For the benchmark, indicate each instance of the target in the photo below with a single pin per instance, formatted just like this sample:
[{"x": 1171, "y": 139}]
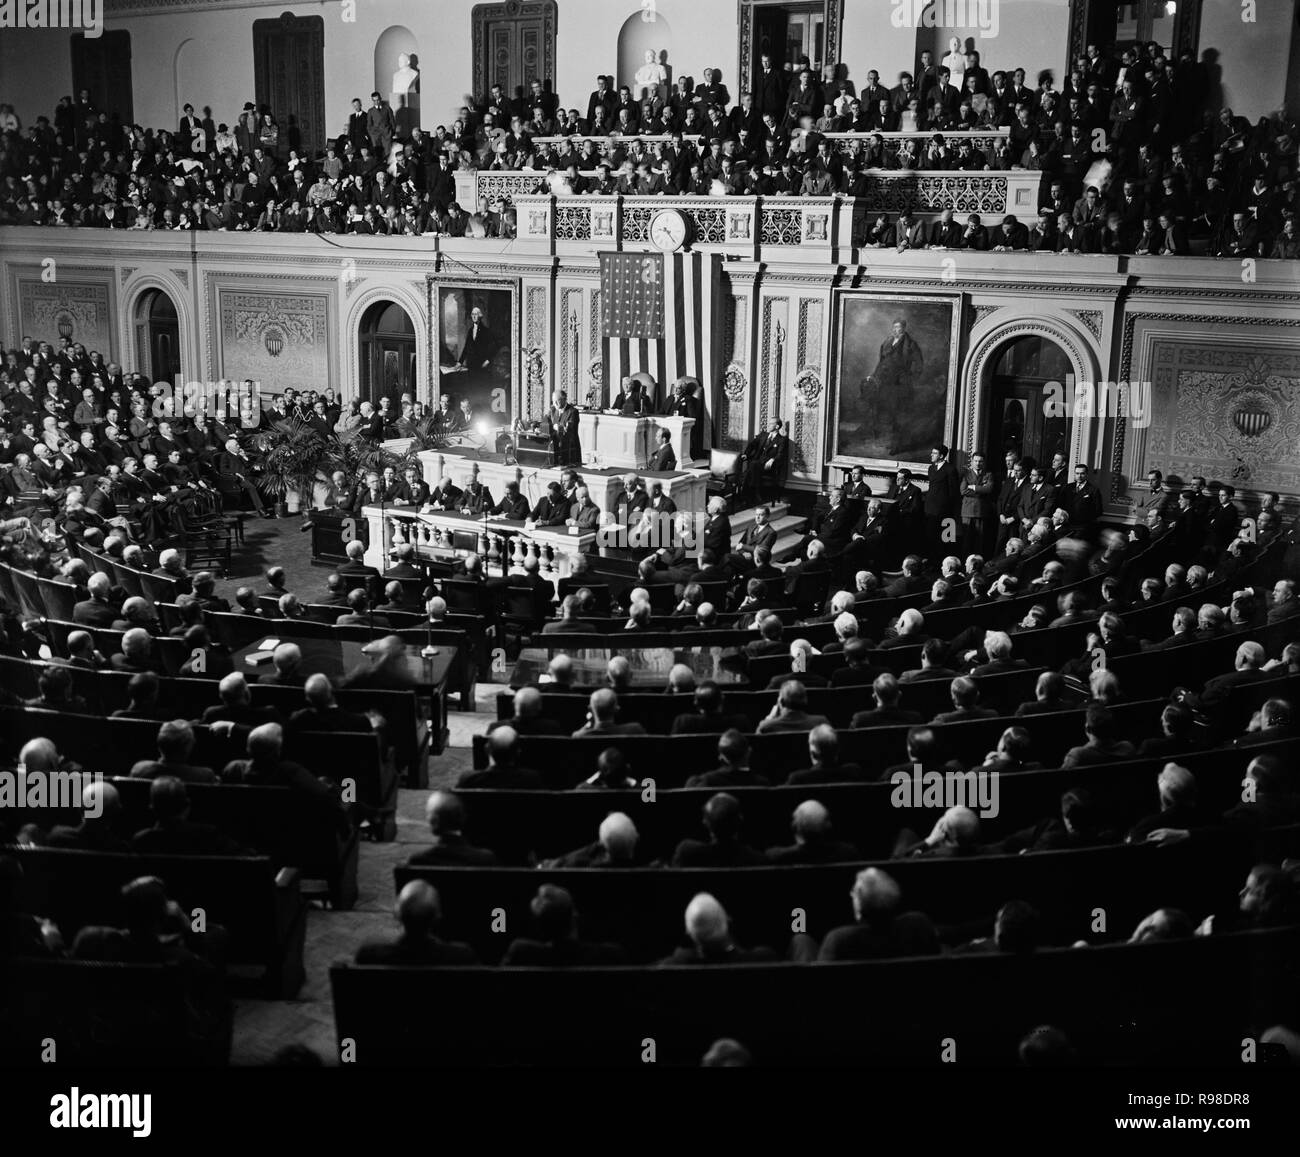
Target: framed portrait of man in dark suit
[
  {"x": 474, "y": 327},
  {"x": 896, "y": 364}
]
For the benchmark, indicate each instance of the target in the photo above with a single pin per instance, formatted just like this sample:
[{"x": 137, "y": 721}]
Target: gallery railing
[{"x": 746, "y": 225}]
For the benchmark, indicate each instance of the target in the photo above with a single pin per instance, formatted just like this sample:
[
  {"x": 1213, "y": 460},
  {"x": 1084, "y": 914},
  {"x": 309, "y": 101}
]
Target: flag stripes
[{"x": 691, "y": 327}]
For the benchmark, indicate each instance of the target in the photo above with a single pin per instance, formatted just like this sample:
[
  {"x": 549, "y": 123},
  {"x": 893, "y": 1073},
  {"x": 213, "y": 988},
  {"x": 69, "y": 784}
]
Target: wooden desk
[{"x": 334, "y": 658}]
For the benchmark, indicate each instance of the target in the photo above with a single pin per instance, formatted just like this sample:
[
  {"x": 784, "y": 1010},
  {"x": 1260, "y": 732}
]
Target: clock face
[{"x": 668, "y": 230}]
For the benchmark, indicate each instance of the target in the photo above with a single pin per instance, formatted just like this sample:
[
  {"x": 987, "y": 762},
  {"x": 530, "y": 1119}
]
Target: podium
[{"x": 534, "y": 450}]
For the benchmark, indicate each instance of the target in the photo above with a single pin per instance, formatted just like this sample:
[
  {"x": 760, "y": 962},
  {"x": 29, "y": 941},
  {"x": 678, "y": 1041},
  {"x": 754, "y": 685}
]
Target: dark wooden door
[
  {"x": 103, "y": 66},
  {"x": 289, "y": 77},
  {"x": 514, "y": 43},
  {"x": 770, "y": 21},
  {"x": 514, "y": 52}
]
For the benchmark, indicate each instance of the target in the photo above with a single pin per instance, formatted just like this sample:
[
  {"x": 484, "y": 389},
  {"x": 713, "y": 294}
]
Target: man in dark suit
[
  {"x": 708, "y": 718},
  {"x": 857, "y": 671},
  {"x": 552, "y": 508},
  {"x": 813, "y": 841},
  {"x": 418, "y": 910},
  {"x": 664, "y": 458},
  {"x": 717, "y": 529},
  {"x": 1008, "y": 505},
  {"x": 1080, "y": 499},
  {"x": 765, "y": 460},
  {"x": 834, "y": 525},
  {"x": 96, "y": 611},
  {"x": 555, "y": 943},
  {"x": 602, "y": 717},
  {"x": 356, "y": 572},
  {"x": 528, "y": 718},
  {"x": 563, "y": 418},
  {"x": 1224, "y": 523},
  {"x": 733, "y": 765},
  {"x": 887, "y": 712},
  {"x": 513, "y": 505},
  {"x": 942, "y": 501},
  {"x": 412, "y": 490},
  {"x": 173, "y": 834},
  {"x": 724, "y": 847},
  {"x": 476, "y": 499},
  {"x": 825, "y": 765},
  {"x": 685, "y": 402},
  {"x": 446, "y": 495},
  {"x": 503, "y": 770},
  {"x": 869, "y": 543},
  {"x": 480, "y": 346},
  {"x": 446, "y": 818}
]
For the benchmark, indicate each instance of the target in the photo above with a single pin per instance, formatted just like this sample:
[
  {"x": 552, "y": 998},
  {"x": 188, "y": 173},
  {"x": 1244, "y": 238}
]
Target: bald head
[
  {"x": 444, "y": 813},
  {"x": 811, "y": 823},
  {"x": 318, "y": 692},
  {"x": 233, "y": 689},
  {"x": 38, "y": 755},
  {"x": 501, "y": 745},
  {"x": 418, "y": 907},
  {"x": 603, "y": 704},
  {"x": 528, "y": 703},
  {"x": 286, "y": 658},
  {"x": 619, "y": 673},
  {"x": 706, "y": 921},
  {"x": 100, "y": 800},
  {"x": 681, "y": 678},
  {"x": 618, "y": 836}
]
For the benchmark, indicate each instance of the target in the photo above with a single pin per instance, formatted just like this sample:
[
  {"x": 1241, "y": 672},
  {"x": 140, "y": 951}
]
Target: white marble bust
[
  {"x": 405, "y": 79},
  {"x": 650, "y": 77}
]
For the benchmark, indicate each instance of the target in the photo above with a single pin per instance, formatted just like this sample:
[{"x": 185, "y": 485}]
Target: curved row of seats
[
  {"x": 1176, "y": 1004},
  {"x": 642, "y": 908},
  {"x": 519, "y": 825}
]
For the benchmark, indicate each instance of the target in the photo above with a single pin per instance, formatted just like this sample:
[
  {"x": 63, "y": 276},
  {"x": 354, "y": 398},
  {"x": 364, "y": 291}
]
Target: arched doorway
[
  {"x": 1020, "y": 416},
  {"x": 157, "y": 336},
  {"x": 387, "y": 353}
]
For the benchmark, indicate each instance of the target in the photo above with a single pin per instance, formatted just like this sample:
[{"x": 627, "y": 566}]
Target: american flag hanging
[{"x": 686, "y": 340}]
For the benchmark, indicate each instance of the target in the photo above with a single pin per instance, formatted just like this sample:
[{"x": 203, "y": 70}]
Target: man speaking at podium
[{"x": 564, "y": 430}]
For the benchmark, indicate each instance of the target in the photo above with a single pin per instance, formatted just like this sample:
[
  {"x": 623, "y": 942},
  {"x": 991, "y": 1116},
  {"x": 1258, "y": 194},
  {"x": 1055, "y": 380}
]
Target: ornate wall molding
[
  {"x": 1249, "y": 441},
  {"x": 773, "y": 355},
  {"x": 1092, "y": 318},
  {"x": 218, "y": 281}
]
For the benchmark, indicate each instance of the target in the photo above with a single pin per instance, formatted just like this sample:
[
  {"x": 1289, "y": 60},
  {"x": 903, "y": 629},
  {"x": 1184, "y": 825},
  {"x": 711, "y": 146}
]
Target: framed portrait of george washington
[
  {"x": 474, "y": 344},
  {"x": 896, "y": 362}
]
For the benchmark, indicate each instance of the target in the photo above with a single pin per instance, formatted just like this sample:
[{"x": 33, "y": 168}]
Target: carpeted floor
[{"x": 263, "y": 1027}]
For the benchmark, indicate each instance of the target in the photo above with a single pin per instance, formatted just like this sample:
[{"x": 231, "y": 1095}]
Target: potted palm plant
[{"x": 292, "y": 453}]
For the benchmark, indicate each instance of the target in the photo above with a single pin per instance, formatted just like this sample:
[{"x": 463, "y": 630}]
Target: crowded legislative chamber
[{"x": 717, "y": 533}]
